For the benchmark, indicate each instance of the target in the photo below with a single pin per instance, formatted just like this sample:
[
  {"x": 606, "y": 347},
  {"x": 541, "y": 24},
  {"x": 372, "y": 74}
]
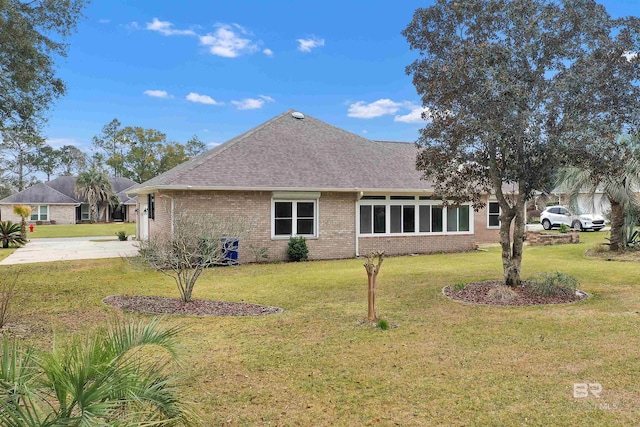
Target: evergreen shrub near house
[{"x": 297, "y": 249}]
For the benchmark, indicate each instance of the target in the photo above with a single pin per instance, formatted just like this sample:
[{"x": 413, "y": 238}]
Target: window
[
  {"x": 409, "y": 215},
  {"x": 403, "y": 219},
  {"x": 493, "y": 212},
  {"x": 151, "y": 206},
  {"x": 84, "y": 212},
  {"x": 458, "y": 218},
  {"x": 40, "y": 213},
  {"x": 294, "y": 218}
]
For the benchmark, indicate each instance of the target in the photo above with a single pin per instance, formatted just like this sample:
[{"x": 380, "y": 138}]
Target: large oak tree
[
  {"x": 512, "y": 90},
  {"x": 32, "y": 36}
]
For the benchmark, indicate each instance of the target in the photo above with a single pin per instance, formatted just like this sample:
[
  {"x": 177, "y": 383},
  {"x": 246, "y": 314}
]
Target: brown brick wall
[
  {"x": 336, "y": 212},
  {"x": 61, "y": 214},
  {"x": 400, "y": 245},
  {"x": 480, "y": 227}
]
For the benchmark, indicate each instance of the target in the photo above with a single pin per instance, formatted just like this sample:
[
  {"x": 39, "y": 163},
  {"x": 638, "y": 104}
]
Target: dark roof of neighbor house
[
  {"x": 40, "y": 194},
  {"x": 288, "y": 153},
  {"x": 61, "y": 190}
]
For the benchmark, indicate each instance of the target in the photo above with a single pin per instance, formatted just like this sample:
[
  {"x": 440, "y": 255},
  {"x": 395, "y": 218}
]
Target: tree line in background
[{"x": 132, "y": 152}]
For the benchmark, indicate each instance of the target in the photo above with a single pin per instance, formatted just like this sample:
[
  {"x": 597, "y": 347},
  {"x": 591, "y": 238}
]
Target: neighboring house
[
  {"x": 598, "y": 203},
  {"x": 56, "y": 201},
  {"x": 299, "y": 176}
]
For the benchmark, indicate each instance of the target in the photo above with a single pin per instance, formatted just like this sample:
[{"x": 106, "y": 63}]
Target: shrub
[
  {"x": 11, "y": 233},
  {"x": 459, "y": 286},
  {"x": 554, "y": 284},
  {"x": 564, "y": 228},
  {"x": 297, "y": 249},
  {"x": 122, "y": 236},
  {"x": 502, "y": 294},
  {"x": 382, "y": 324},
  {"x": 599, "y": 248}
]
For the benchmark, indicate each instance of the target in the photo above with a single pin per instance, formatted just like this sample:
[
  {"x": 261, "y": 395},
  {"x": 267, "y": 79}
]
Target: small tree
[
  {"x": 373, "y": 268},
  {"x": 23, "y": 212},
  {"x": 196, "y": 242}
]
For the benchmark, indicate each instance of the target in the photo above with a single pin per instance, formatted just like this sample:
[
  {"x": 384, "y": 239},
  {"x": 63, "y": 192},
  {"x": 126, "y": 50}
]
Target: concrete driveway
[{"x": 71, "y": 248}]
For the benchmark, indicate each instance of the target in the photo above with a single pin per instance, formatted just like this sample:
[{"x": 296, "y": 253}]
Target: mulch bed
[
  {"x": 198, "y": 307},
  {"x": 478, "y": 293}
]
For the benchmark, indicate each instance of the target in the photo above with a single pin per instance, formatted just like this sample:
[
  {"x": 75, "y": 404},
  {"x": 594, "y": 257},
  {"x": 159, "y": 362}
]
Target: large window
[
  {"x": 410, "y": 215},
  {"x": 294, "y": 218},
  {"x": 493, "y": 212},
  {"x": 40, "y": 213}
]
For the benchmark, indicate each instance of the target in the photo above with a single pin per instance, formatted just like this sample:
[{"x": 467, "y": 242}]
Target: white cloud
[
  {"x": 228, "y": 41},
  {"x": 202, "y": 99},
  {"x": 630, "y": 55},
  {"x": 213, "y": 144},
  {"x": 414, "y": 116},
  {"x": 133, "y": 25},
  {"x": 157, "y": 93},
  {"x": 104, "y": 21},
  {"x": 268, "y": 52},
  {"x": 305, "y": 45},
  {"x": 165, "y": 28},
  {"x": 252, "y": 103},
  {"x": 381, "y": 107},
  {"x": 365, "y": 131}
]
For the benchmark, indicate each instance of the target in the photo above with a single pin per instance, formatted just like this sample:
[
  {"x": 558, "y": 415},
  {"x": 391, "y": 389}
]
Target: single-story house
[
  {"x": 56, "y": 201},
  {"x": 298, "y": 176}
]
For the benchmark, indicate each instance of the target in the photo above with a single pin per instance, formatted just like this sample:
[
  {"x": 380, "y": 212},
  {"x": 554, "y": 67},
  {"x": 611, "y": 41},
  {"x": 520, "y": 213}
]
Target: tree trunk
[
  {"x": 617, "y": 224},
  {"x": 372, "y": 275},
  {"x": 512, "y": 251},
  {"x": 371, "y": 313}
]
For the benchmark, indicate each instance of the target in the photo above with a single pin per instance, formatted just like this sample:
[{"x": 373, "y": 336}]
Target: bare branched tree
[
  {"x": 373, "y": 268},
  {"x": 196, "y": 241}
]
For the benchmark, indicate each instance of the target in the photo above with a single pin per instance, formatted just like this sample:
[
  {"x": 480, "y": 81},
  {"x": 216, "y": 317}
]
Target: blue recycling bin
[{"x": 230, "y": 250}]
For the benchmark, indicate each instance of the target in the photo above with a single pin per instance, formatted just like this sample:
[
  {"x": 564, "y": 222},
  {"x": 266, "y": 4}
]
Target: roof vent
[{"x": 297, "y": 115}]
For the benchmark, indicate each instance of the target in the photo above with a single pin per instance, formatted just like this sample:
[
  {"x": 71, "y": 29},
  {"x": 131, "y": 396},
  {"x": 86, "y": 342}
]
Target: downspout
[{"x": 356, "y": 222}]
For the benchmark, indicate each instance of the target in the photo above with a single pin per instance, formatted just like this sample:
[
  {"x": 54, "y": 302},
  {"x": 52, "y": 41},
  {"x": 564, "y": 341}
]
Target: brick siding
[
  {"x": 401, "y": 245},
  {"x": 61, "y": 214}
]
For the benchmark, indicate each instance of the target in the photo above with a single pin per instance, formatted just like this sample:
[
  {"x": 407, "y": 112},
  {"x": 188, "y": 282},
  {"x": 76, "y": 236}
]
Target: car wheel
[
  {"x": 546, "y": 224},
  {"x": 576, "y": 225}
]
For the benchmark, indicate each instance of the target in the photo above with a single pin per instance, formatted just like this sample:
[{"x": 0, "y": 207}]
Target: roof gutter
[{"x": 361, "y": 191}]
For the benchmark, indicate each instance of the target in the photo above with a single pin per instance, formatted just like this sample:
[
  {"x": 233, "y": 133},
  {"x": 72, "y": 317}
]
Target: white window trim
[
  {"x": 494, "y": 227},
  {"x": 294, "y": 214},
  {"x": 39, "y": 218},
  {"x": 387, "y": 202}
]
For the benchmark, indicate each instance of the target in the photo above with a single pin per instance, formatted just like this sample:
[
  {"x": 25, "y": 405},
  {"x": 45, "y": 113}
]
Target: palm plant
[
  {"x": 118, "y": 377},
  {"x": 94, "y": 186},
  {"x": 10, "y": 233},
  {"x": 618, "y": 186},
  {"x": 23, "y": 212}
]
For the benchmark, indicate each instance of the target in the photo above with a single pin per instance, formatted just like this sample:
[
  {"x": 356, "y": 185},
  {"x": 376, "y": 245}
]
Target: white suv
[{"x": 553, "y": 216}]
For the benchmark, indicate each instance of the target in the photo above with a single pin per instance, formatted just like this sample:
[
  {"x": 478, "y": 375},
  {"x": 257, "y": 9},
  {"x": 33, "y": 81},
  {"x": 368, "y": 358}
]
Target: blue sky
[{"x": 218, "y": 68}]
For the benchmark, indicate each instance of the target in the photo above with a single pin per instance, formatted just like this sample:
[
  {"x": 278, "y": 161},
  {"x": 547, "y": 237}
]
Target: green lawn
[
  {"x": 442, "y": 363},
  {"x": 81, "y": 230}
]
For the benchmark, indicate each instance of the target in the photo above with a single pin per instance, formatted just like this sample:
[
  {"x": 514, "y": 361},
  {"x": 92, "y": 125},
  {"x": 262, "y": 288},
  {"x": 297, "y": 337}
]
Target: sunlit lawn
[
  {"x": 441, "y": 364},
  {"x": 81, "y": 230}
]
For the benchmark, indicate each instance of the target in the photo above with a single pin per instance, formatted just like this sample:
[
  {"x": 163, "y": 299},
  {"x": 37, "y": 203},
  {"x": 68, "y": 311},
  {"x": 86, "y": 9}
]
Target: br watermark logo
[{"x": 583, "y": 390}]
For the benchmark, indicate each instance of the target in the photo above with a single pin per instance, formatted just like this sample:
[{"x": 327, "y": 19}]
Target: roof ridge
[{"x": 60, "y": 192}]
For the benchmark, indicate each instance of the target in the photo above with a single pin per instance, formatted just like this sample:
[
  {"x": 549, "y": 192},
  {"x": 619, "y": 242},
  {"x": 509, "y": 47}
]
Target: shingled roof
[
  {"x": 61, "y": 191},
  {"x": 288, "y": 153}
]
